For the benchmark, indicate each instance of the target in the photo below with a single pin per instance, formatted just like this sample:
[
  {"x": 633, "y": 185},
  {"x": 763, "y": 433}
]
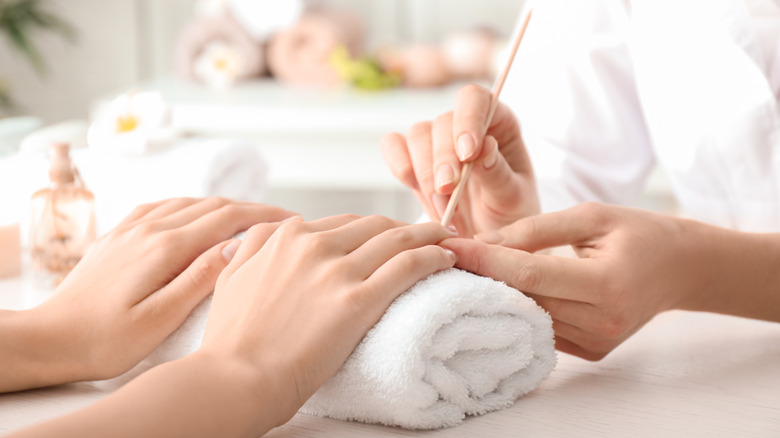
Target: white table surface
[{"x": 683, "y": 375}]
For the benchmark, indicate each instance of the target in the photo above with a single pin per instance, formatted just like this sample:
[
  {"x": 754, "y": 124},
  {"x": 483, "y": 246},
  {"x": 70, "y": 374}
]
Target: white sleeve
[{"x": 573, "y": 90}]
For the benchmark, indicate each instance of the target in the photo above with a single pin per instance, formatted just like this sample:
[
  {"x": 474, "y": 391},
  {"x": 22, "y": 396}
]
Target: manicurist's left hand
[
  {"x": 632, "y": 265},
  {"x": 132, "y": 289}
]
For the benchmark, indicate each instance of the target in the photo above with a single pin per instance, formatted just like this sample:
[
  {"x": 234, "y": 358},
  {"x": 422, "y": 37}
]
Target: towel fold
[{"x": 455, "y": 344}]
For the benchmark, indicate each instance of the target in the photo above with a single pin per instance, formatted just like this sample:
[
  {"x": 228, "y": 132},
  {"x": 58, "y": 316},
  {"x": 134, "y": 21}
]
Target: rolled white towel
[{"x": 455, "y": 344}]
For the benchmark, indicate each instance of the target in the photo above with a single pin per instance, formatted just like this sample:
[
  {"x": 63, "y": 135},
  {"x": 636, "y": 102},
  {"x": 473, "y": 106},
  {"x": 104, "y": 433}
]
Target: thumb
[
  {"x": 496, "y": 180},
  {"x": 176, "y": 300},
  {"x": 572, "y": 226}
]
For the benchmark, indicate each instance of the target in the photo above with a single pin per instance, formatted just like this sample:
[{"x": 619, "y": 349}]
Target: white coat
[{"x": 606, "y": 89}]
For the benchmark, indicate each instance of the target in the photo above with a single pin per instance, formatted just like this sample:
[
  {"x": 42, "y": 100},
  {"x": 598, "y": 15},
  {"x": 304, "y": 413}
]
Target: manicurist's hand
[
  {"x": 502, "y": 187},
  {"x": 132, "y": 289},
  {"x": 287, "y": 311},
  {"x": 631, "y": 265}
]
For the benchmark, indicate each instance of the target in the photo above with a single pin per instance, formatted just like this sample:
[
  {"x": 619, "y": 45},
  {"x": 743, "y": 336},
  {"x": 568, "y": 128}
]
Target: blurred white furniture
[
  {"x": 683, "y": 375},
  {"x": 322, "y": 145}
]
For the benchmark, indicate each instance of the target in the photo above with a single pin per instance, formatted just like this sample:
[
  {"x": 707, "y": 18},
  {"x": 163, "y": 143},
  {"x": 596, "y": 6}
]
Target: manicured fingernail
[
  {"x": 229, "y": 250},
  {"x": 439, "y": 203},
  {"x": 452, "y": 230},
  {"x": 490, "y": 237},
  {"x": 452, "y": 255},
  {"x": 445, "y": 175},
  {"x": 491, "y": 160},
  {"x": 466, "y": 146}
]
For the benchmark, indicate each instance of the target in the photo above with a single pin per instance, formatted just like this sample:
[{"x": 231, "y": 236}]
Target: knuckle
[
  {"x": 527, "y": 277},
  {"x": 200, "y": 273},
  {"x": 420, "y": 129},
  {"x": 469, "y": 90}
]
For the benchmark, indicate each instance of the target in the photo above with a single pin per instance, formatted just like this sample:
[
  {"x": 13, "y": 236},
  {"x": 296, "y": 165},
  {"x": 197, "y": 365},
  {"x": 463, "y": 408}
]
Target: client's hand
[
  {"x": 298, "y": 298},
  {"x": 133, "y": 288}
]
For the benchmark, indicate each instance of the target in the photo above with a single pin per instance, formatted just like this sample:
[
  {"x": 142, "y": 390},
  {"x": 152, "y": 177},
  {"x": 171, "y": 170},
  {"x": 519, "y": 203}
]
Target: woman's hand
[
  {"x": 298, "y": 298},
  {"x": 502, "y": 186},
  {"x": 632, "y": 265},
  {"x": 131, "y": 290}
]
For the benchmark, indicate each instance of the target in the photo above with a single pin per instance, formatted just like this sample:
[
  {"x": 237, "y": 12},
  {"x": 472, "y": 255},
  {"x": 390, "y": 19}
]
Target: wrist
[
  {"x": 32, "y": 351},
  {"x": 737, "y": 272},
  {"x": 271, "y": 401}
]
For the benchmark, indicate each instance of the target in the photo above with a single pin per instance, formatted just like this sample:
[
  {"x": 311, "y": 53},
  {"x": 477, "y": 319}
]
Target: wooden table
[{"x": 683, "y": 375}]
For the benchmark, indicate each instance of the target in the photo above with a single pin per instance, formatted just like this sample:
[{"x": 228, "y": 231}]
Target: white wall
[
  {"x": 104, "y": 58},
  {"x": 123, "y": 42}
]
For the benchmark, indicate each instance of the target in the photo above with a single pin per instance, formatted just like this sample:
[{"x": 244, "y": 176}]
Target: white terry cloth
[{"x": 455, "y": 344}]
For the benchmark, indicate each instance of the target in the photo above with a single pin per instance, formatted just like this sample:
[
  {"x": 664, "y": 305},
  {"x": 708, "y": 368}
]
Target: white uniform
[{"x": 606, "y": 89}]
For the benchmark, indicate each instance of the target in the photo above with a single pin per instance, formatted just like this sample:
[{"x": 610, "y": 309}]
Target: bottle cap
[{"x": 61, "y": 169}]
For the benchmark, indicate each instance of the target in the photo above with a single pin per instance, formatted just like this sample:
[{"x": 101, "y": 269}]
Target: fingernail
[
  {"x": 229, "y": 250},
  {"x": 452, "y": 255},
  {"x": 466, "y": 146},
  {"x": 490, "y": 237},
  {"x": 445, "y": 175},
  {"x": 439, "y": 203},
  {"x": 452, "y": 230},
  {"x": 491, "y": 160}
]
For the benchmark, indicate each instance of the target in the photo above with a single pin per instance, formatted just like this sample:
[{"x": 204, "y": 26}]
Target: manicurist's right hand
[
  {"x": 297, "y": 298},
  {"x": 429, "y": 160}
]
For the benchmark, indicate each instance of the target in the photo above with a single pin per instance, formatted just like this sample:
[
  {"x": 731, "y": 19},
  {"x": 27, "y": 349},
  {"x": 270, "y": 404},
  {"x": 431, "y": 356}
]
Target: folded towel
[
  {"x": 455, "y": 344},
  {"x": 218, "y": 52},
  {"x": 190, "y": 167}
]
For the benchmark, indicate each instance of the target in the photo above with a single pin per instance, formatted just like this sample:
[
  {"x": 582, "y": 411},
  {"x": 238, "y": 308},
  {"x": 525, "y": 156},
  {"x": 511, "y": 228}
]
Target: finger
[
  {"x": 472, "y": 104},
  {"x": 495, "y": 179},
  {"x": 254, "y": 239},
  {"x": 400, "y": 273},
  {"x": 573, "y": 226},
  {"x": 217, "y": 211},
  {"x": 171, "y": 304},
  {"x": 445, "y": 163},
  {"x": 381, "y": 247},
  {"x": 223, "y": 222},
  {"x": 351, "y": 235},
  {"x": 396, "y": 154},
  {"x": 167, "y": 207},
  {"x": 139, "y": 212},
  {"x": 330, "y": 222},
  {"x": 556, "y": 277},
  {"x": 574, "y": 313},
  {"x": 420, "y": 142}
]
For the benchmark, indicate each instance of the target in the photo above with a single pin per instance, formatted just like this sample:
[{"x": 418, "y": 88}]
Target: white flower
[
  {"x": 133, "y": 124},
  {"x": 219, "y": 65}
]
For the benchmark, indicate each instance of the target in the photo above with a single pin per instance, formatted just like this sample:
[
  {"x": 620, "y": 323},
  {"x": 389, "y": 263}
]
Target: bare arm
[
  {"x": 632, "y": 265},
  {"x": 133, "y": 288},
  {"x": 287, "y": 311}
]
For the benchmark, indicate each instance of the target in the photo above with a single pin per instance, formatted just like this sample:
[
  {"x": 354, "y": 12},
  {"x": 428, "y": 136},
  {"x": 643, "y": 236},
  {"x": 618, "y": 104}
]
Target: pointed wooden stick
[{"x": 497, "y": 86}]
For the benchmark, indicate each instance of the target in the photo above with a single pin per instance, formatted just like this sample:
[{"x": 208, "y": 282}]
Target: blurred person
[{"x": 604, "y": 91}]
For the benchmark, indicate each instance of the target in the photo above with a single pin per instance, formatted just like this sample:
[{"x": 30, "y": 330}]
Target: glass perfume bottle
[{"x": 62, "y": 220}]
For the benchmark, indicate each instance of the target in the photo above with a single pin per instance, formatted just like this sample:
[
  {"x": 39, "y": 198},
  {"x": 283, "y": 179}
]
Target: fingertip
[
  {"x": 466, "y": 146},
  {"x": 230, "y": 249}
]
